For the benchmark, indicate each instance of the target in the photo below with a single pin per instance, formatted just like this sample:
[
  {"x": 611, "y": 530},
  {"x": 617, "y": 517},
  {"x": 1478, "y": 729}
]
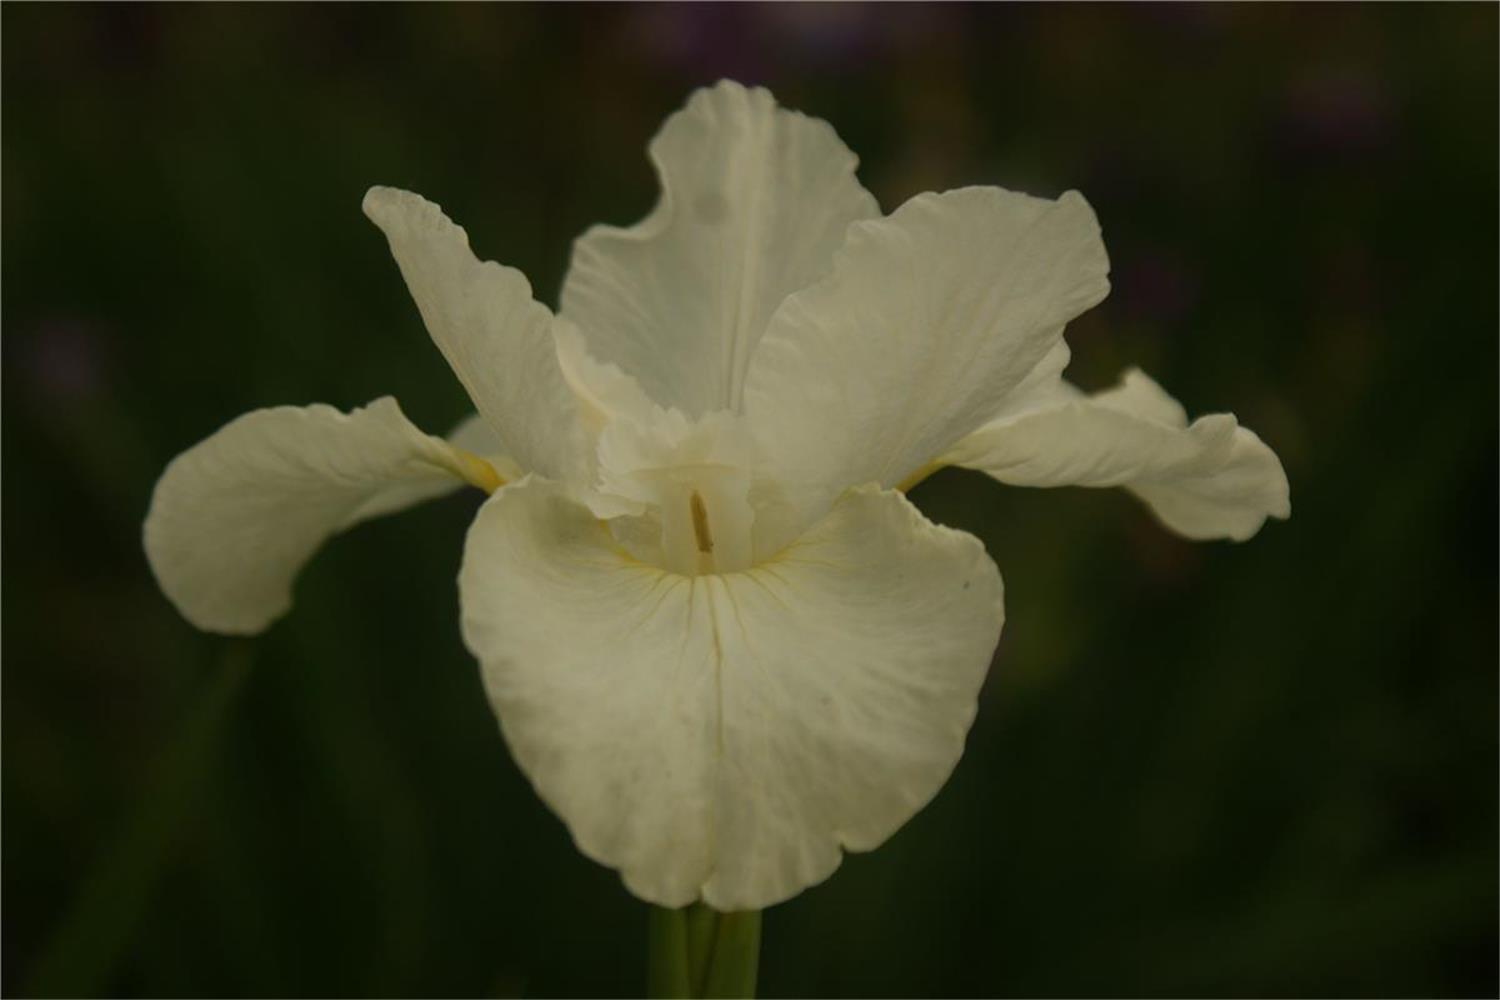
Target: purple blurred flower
[
  {"x": 751, "y": 41},
  {"x": 1332, "y": 111},
  {"x": 64, "y": 359},
  {"x": 1155, "y": 285}
]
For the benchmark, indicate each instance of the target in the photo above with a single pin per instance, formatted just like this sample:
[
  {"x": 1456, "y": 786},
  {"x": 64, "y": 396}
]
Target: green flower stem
[
  {"x": 732, "y": 966},
  {"x": 699, "y": 952},
  {"x": 667, "y": 973}
]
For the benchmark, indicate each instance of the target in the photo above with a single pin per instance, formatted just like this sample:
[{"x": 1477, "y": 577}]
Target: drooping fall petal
[
  {"x": 725, "y": 736},
  {"x": 235, "y": 517},
  {"x": 1208, "y": 479}
]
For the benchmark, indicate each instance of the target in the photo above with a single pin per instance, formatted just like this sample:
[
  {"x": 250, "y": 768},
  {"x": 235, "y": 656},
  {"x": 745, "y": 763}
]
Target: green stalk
[
  {"x": 667, "y": 974},
  {"x": 699, "y": 952}
]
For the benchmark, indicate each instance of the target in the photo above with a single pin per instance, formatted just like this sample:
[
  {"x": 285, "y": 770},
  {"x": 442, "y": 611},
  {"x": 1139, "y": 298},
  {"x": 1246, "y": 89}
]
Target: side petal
[
  {"x": 724, "y": 737},
  {"x": 931, "y": 320},
  {"x": 754, "y": 201},
  {"x": 495, "y": 336},
  {"x": 473, "y": 438},
  {"x": 236, "y": 516},
  {"x": 1208, "y": 479}
]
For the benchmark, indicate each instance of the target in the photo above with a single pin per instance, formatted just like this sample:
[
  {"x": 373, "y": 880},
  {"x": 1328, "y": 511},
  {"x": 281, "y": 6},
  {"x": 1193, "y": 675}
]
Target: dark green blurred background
[{"x": 1266, "y": 768}]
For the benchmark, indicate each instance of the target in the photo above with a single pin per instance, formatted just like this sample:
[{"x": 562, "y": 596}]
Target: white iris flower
[{"x": 720, "y": 641}]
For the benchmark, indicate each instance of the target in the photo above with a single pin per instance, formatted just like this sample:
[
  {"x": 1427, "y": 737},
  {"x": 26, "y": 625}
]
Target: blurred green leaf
[{"x": 113, "y": 897}]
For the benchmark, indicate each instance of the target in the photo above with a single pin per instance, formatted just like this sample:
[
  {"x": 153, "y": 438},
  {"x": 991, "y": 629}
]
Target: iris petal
[
  {"x": 1208, "y": 479},
  {"x": 235, "y": 517},
  {"x": 754, "y": 201},
  {"x": 725, "y": 737}
]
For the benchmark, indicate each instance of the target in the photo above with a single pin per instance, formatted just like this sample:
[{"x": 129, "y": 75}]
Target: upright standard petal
[
  {"x": 604, "y": 393},
  {"x": 496, "y": 337},
  {"x": 723, "y": 737},
  {"x": 754, "y": 201},
  {"x": 1208, "y": 479},
  {"x": 930, "y": 319},
  {"x": 235, "y": 517}
]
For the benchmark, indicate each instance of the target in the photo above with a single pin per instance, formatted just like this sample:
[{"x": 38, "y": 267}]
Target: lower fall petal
[
  {"x": 1208, "y": 479},
  {"x": 235, "y": 517},
  {"x": 726, "y": 737}
]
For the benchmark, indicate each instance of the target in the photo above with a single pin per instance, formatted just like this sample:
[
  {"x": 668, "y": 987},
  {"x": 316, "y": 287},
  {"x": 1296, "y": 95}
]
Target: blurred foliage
[{"x": 1266, "y": 768}]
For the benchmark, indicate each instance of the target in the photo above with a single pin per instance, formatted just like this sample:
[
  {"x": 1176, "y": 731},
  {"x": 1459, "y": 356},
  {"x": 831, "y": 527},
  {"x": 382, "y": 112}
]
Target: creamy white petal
[
  {"x": 495, "y": 336},
  {"x": 685, "y": 485},
  {"x": 604, "y": 392},
  {"x": 931, "y": 319},
  {"x": 725, "y": 736},
  {"x": 472, "y": 436},
  {"x": 1208, "y": 479},
  {"x": 1044, "y": 386},
  {"x": 754, "y": 201},
  {"x": 235, "y": 517}
]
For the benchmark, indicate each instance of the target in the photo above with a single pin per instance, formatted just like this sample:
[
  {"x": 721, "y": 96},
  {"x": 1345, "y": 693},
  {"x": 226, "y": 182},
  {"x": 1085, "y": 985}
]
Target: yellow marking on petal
[
  {"x": 477, "y": 472},
  {"x": 700, "y": 524},
  {"x": 906, "y": 485}
]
